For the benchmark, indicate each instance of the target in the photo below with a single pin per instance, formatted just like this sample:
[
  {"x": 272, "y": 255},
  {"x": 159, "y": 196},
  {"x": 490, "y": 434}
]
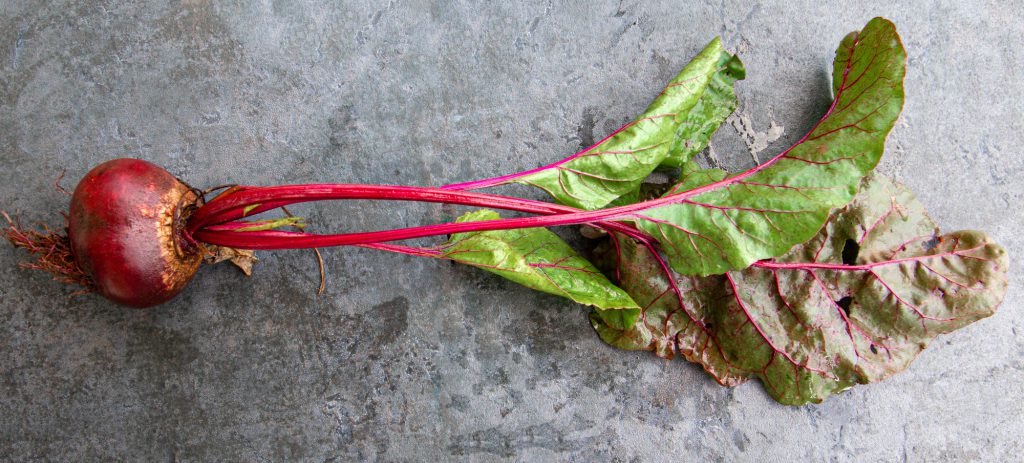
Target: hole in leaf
[
  {"x": 850, "y": 250},
  {"x": 874, "y": 350},
  {"x": 844, "y": 304}
]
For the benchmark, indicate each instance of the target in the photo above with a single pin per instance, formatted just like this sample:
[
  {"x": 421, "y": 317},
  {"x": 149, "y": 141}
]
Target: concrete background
[{"x": 410, "y": 359}]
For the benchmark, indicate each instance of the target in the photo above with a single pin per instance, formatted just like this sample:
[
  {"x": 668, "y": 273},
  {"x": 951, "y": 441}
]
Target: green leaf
[
  {"x": 856, "y": 304},
  {"x": 676, "y": 125},
  {"x": 539, "y": 259},
  {"x": 703, "y": 120},
  {"x": 713, "y": 223}
]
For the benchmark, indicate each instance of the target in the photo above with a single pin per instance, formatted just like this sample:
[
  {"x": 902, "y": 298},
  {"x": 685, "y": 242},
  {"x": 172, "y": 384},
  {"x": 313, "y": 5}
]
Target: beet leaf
[
  {"x": 673, "y": 312},
  {"x": 676, "y": 126},
  {"x": 855, "y": 304},
  {"x": 702, "y": 120},
  {"x": 713, "y": 222}
]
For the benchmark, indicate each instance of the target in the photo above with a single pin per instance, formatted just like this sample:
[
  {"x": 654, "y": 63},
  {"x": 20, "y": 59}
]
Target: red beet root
[{"x": 126, "y": 232}]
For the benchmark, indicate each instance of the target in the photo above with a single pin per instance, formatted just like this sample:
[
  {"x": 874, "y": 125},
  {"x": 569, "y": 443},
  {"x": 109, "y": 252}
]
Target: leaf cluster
[{"x": 807, "y": 271}]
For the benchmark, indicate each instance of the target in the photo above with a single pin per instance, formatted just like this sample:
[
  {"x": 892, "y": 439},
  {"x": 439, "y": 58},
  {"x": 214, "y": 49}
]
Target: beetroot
[{"x": 126, "y": 232}]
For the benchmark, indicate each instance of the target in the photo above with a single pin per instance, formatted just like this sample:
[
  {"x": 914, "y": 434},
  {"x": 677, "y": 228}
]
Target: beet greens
[
  {"x": 807, "y": 271},
  {"x": 854, "y": 304}
]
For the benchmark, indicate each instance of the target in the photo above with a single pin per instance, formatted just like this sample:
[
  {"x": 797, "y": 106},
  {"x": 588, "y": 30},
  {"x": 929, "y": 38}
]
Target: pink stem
[
  {"x": 409, "y": 250},
  {"x": 233, "y": 206},
  {"x": 274, "y": 239}
]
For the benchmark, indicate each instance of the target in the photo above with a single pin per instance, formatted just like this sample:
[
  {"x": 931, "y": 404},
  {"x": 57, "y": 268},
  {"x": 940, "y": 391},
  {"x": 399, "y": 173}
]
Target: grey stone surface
[{"x": 406, "y": 359}]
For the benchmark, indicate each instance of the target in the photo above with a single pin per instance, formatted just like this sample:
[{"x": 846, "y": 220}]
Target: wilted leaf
[
  {"x": 855, "y": 304},
  {"x": 673, "y": 312},
  {"x": 242, "y": 258}
]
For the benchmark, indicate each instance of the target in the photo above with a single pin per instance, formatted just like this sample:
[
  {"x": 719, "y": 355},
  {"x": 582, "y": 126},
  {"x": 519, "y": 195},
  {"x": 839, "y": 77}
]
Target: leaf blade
[
  {"x": 674, "y": 127},
  {"x": 872, "y": 319},
  {"x": 673, "y": 310},
  {"x": 722, "y": 223},
  {"x": 702, "y": 121}
]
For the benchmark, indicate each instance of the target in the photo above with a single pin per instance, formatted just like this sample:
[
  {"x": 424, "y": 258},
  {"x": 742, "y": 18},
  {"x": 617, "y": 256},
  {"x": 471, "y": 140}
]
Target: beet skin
[{"x": 125, "y": 236}]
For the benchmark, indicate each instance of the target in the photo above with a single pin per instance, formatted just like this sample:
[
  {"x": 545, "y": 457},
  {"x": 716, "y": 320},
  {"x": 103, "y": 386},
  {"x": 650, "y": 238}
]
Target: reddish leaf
[
  {"x": 855, "y": 304},
  {"x": 673, "y": 312}
]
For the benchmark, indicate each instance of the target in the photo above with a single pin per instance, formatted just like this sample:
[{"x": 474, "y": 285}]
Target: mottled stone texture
[{"x": 411, "y": 359}]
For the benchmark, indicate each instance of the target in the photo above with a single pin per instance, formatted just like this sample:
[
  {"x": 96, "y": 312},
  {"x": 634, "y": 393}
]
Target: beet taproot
[{"x": 126, "y": 230}]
